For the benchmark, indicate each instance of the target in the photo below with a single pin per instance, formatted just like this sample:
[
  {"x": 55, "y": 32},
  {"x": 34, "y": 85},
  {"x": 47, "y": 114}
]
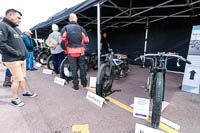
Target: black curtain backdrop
[{"x": 169, "y": 35}]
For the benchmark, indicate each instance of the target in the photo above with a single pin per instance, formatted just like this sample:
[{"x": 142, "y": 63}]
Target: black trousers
[{"x": 75, "y": 63}]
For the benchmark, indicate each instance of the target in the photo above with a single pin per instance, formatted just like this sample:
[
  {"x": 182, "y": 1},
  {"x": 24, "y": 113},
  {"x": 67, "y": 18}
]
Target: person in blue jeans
[
  {"x": 57, "y": 52},
  {"x": 29, "y": 45},
  {"x": 7, "y": 82}
]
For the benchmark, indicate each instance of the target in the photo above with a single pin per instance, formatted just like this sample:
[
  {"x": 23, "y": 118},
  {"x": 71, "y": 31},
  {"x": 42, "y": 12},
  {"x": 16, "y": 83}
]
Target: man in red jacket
[{"x": 73, "y": 36}]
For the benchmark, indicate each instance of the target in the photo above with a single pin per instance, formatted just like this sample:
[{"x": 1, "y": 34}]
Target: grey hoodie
[{"x": 56, "y": 36}]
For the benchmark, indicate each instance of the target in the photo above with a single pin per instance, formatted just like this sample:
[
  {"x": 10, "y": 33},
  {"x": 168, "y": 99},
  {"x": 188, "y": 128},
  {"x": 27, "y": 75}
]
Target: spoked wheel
[
  {"x": 36, "y": 55},
  {"x": 104, "y": 80},
  {"x": 126, "y": 67},
  {"x": 43, "y": 58},
  {"x": 87, "y": 63},
  {"x": 95, "y": 67},
  {"x": 157, "y": 100},
  {"x": 65, "y": 71},
  {"x": 50, "y": 63},
  {"x": 94, "y": 62},
  {"x": 150, "y": 85}
]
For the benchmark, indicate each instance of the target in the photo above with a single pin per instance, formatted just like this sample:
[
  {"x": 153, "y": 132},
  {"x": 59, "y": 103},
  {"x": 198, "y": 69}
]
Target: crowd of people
[{"x": 17, "y": 52}]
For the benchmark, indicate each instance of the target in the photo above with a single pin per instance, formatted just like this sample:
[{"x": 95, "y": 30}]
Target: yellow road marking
[
  {"x": 87, "y": 87},
  {"x": 120, "y": 104},
  {"x": 162, "y": 126},
  {"x": 81, "y": 128}
]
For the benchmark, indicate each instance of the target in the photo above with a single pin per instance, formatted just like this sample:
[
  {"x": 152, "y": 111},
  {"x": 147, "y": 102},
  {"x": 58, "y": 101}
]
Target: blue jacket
[{"x": 28, "y": 42}]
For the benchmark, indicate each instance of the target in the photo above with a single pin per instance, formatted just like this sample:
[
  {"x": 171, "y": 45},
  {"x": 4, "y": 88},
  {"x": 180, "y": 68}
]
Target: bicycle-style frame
[
  {"x": 116, "y": 68},
  {"x": 156, "y": 81}
]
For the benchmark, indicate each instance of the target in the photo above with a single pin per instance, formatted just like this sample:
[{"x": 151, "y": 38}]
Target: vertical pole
[
  {"x": 130, "y": 8},
  {"x": 36, "y": 38},
  {"x": 145, "y": 43},
  {"x": 98, "y": 33}
]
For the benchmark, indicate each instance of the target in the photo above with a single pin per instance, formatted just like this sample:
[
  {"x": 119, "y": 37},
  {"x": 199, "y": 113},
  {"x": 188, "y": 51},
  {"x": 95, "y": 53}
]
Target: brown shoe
[{"x": 7, "y": 82}]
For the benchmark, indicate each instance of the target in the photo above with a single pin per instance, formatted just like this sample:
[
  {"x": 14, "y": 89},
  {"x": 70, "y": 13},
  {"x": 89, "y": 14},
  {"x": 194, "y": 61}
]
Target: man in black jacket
[
  {"x": 7, "y": 82},
  {"x": 14, "y": 53},
  {"x": 73, "y": 36}
]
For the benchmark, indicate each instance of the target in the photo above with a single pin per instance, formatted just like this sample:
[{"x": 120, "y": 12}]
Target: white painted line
[{"x": 170, "y": 123}]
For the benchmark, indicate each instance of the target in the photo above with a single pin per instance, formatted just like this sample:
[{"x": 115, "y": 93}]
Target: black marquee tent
[{"x": 167, "y": 23}]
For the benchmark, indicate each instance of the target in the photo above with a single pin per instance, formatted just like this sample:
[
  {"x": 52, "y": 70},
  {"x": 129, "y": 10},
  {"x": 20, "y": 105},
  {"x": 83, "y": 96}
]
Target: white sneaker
[
  {"x": 17, "y": 102},
  {"x": 30, "y": 94}
]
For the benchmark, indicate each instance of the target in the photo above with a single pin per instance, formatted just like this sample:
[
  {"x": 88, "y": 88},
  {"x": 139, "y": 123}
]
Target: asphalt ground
[{"x": 61, "y": 109}]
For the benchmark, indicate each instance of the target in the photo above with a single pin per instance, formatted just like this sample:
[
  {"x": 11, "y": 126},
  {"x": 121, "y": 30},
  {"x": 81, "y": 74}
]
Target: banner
[{"x": 191, "y": 80}]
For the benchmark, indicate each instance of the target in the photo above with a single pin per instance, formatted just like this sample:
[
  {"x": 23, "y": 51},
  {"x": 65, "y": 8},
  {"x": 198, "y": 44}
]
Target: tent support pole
[
  {"x": 98, "y": 33},
  {"x": 145, "y": 42},
  {"x": 36, "y": 38}
]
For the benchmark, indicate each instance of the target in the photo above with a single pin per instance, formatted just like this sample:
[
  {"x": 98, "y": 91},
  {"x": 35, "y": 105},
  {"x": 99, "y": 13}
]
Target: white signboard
[
  {"x": 38, "y": 64},
  {"x": 191, "y": 80},
  {"x": 95, "y": 99},
  {"x": 42, "y": 60},
  {"x": 141, "y": 108},
  {"x": 144, "y": 129},
  {"x": 47, "y": 71},
  {"x": 67, "y": 72},
  {"x": 59, "y": 81},
  {"x": 164, "y": 105},
  {"x": 93, "y": 81}
]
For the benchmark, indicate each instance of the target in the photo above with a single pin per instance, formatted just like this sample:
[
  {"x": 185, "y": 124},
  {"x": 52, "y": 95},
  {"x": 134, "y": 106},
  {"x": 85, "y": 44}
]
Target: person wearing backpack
[{"x": 73, "y": 37}]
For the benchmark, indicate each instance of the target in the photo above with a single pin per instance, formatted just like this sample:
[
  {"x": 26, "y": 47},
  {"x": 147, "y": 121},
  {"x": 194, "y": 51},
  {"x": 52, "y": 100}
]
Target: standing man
[
  {"x": 73, "y": 36},
  {"x": 29, "y": 45},
  {"x": 7, "y": 82},
  {"x": 56, "y": 52},
  {"x": 14, "y": 53},
  {"x": 104, "y": 43}
]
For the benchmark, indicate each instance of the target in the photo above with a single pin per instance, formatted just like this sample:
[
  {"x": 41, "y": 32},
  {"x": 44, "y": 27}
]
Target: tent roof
[
  {"x": 121, "y": 13},
  {"x": 63, "y": 15}
]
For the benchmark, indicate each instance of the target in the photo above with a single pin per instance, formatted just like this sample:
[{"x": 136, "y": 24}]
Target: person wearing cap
[
  {"x": 56, "y": 52},
  {"x": 14, "y": 53},
  {"x": 29, "y": 45}
]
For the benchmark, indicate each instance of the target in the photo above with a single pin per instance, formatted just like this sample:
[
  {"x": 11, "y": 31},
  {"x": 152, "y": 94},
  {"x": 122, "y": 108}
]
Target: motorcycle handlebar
[
  {"x": 137, "y": 58},
  {"x": 164, "y": 55}
]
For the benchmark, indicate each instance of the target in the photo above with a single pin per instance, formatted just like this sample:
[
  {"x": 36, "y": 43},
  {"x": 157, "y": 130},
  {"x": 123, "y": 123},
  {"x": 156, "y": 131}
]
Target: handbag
[{"x": 51, "y": 42}]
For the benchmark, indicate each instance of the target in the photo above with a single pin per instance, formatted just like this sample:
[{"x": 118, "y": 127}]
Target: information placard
[
  {"x": 141, "y": 108},
  {"x": 95, "y": 99},
  {"x": 47, "y": 71},
  {"x": 38, "y": 64},
  {"x": 59, "y": 81},
  {"x": 191, "y": 80},
  {"x": 93, "y": 81}
]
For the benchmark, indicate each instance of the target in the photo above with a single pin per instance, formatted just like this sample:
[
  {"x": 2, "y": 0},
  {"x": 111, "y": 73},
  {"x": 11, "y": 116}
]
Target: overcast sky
[{"x": 35, "y": 11}]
